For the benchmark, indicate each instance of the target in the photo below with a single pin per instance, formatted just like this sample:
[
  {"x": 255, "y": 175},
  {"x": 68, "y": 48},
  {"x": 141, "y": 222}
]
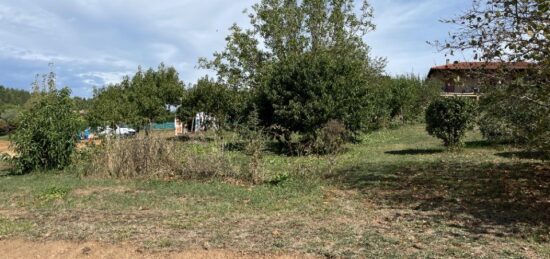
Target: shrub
[
  {"x": 496, "y": 129},
  {"x": 522, "y": 120},
  {"x": 330, "y": 139},
  {"x": 254, "y": 139},
  {"x": 303, "y": 92},
  {"x": 4, "y": 128},
  {"x": 449, "y": 119},
  {"x": 47, "y": 132}
]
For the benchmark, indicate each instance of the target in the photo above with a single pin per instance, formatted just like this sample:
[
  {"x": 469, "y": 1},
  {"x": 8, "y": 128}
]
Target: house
[{"x": 468, "y": 78}]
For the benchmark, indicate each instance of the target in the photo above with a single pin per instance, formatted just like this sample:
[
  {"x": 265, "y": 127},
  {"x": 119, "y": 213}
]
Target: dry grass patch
[
  {"x": 5, "y": 148},
  {"x": 95, "y": 190}
]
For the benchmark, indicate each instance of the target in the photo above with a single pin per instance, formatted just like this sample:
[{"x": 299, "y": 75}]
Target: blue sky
[{"x": 96, "y": 42}]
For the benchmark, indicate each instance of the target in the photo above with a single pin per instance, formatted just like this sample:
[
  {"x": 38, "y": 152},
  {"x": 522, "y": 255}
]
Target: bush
[
  {"x": 47, "y": 132},
  {"x": 449, "y": 119},
  {"x": 511, "y": 115},
  {"x": 330, "y": 139},
  {"x": 4, "y": 128},
  {"x": 496, "y": 129},
  {"x": 304, "y": 92}
]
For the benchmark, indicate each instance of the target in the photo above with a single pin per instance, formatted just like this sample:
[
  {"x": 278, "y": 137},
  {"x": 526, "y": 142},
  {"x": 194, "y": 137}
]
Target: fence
[{"x": 164, "y": 126}]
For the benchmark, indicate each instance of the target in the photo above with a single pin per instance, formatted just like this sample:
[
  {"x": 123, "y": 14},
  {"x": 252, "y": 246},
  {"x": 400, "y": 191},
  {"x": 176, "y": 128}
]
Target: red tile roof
[{"x": 481, "y": 66}]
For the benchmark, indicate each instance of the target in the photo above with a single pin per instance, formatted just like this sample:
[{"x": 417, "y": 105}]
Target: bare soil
[
  {"x": 5, "y": 148},
  {"x": 60, "y": 249}
]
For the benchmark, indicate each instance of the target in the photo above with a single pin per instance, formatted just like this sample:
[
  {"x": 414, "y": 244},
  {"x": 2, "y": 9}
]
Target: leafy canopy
[
  {"x": 140, "y": 100},
  {"x": 304, "y": 62},
  {"x": 212, "y": 98}
]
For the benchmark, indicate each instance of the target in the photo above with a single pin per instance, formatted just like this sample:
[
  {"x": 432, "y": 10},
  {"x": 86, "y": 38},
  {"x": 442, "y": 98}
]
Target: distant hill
[{"x": 13, "y": 96}]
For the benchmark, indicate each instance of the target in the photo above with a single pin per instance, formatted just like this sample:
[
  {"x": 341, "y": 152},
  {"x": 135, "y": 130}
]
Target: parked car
[{"x": 121, "y": 131}]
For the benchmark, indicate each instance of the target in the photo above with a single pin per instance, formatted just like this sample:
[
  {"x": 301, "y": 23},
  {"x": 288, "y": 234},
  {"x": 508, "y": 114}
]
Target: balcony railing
[{"x": 466, "y": 95}]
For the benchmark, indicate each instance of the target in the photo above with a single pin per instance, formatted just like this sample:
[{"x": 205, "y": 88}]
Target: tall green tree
[
  {"x": 154, "y": 92},
  {"x": 281, "y": 28},
  {"x": 304, "y": 92},
  {"x": 304, "y": 63},
  {"x": 140, "y": 100},
  {"x": 111, "y": 106},
  {"x": 211, "y": 97}
]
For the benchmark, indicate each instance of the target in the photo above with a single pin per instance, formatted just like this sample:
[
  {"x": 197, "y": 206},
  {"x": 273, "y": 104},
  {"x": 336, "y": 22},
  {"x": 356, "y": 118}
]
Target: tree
[
  {"x": 153, "y": 92},
  {"x": 449, "y": 119},
  {"x": 82, "y": 104},
  {"x": 9, "y": 117},
  {"x": 47, "y": 133},
  {"x": 304, "y": 63},
  {"x": 304, "y": 92},
  {"x": 11, "y": 102},
  {"x": 13, "y": 96},
  {"x": 511, "y": 31},
  {"x": 213, "y": 98},
  {"x": 111, "y": 106},
  {"x": 408, "y": 97},
  {"x": 140, "y": 100}
]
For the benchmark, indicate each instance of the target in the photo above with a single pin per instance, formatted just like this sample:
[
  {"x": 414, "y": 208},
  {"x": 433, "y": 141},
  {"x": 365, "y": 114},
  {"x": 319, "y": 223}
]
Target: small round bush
[{"x": 449, "y": 119}]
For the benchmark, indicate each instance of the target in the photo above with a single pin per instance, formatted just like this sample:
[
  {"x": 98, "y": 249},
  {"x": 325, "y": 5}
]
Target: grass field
[{"x": 397, "y": 194}]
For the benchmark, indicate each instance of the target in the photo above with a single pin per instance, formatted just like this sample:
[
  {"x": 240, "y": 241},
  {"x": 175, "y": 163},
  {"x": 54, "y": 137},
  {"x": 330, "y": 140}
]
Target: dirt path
[
  {"x": 4, "y": 146},
  {"x": 16, "y": 249}
]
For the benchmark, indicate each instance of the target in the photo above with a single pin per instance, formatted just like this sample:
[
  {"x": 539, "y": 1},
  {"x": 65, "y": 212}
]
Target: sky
[{"x": 96, "y": 42}]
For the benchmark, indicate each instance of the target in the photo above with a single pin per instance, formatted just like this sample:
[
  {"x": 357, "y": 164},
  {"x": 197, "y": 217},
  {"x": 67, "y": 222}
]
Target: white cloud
[
  {"x": 95, "y": 42},
  {"x": 404, "y": 26},
  {"x": 96, "y": 78}
]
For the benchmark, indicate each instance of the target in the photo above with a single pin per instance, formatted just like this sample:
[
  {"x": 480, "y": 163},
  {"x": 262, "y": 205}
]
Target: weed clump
[
  {"x": 135, "y": 158},
  {"x": 160, "y": 158}
]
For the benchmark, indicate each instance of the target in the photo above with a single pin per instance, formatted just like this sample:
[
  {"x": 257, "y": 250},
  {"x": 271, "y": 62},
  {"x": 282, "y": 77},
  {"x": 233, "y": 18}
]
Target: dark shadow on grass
[
  {"x": 235, "y": 146},
  {"x": 272, "y": 147},
  {"x": 5, "y": 172},
  {"x": 479, "y": 144},
  {"x": 193, "y": 138},
  {"x": 415, "y": 152},
  {"x": 508, "y": 199},
  {"x": 525, "y": 155}
]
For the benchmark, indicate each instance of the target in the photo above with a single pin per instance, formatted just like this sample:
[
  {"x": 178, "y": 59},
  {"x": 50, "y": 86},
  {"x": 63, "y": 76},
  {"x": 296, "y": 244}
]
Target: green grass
[{"x": 397, "y": 194}]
